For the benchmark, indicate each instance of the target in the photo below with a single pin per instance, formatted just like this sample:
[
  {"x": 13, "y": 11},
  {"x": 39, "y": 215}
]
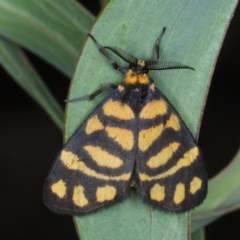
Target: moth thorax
[{"x": 133, "y": 78}]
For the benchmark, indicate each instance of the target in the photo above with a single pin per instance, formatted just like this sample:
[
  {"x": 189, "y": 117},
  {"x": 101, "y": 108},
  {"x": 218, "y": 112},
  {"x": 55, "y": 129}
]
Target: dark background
[{"x": 30, "y": 142}]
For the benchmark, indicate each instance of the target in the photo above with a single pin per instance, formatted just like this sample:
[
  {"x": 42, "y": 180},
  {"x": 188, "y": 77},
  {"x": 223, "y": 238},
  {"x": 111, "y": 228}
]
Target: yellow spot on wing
[
  {"x": 179, "y": 194},
  {"x": 118, "y": 110},
  {"x": 123, "y": 137},
  {"x": 59, "y": 188},
  {"x": 173, "y": 122},
  {"x": 102, "y": 157},
  {"x": 157, "y": 192},
  {"x": 195, "y": 185},
  {"x": 106, "y": 193},
  {"x": 72, "y": 162},
  {"x": 93, "y": 125},
  {"x": 148, "y": 136},
  {"x": 163, "y": 156},
  {"x": 153, "y": 109},
  {"x": 189, "y": 157},
  {"x": 79, "y": 197}
]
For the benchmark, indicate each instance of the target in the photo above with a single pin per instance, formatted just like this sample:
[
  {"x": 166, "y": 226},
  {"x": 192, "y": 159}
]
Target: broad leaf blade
[
  {"x": 194, "y": 35},
  {"x": 54, "y": 30},
  {"x": 17, "y": 65},
  {"x": 132, "y": 220}
]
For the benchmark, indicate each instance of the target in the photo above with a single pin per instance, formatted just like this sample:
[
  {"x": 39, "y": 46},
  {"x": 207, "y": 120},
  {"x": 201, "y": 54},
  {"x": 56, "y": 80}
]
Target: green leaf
[
  {"x": 223, "y": 197},
  {"x": 195, "y": 31},
  {"x": 53, "y": 29},
  {"x": 17, "y": 65},
  {"x": 132, "y": 220}
]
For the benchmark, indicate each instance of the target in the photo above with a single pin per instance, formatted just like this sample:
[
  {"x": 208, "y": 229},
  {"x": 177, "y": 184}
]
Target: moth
[{"x": 134, "y": 137}]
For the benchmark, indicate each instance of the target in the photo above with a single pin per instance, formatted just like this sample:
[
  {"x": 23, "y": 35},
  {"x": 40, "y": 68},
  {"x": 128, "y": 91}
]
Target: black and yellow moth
[{"x": 134, "y": 137}]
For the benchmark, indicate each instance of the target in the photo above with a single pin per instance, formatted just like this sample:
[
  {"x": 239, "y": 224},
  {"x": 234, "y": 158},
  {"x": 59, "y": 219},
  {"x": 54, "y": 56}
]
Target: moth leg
[
  {"x": 157, "y": 44},
  {"x": 94, "y": 94},
  {"x": 103, "y": 50}
]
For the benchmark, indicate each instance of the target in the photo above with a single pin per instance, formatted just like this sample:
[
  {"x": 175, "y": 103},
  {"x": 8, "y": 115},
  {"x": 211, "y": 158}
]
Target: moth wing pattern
[
  {"x": 171, "y": 175},
  {"x": 95, "y": 167}
]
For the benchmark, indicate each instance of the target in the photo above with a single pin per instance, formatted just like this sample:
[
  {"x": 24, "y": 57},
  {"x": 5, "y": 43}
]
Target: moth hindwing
[{"x": 134, "y": 135}]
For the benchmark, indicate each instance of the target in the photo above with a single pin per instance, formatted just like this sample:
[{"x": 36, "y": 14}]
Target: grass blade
[
  {"x": 199, "y": 235},
  {"x": 223, "y": 197},
  {"x": 17, "y": 65},
  {"x": 54, "y": 30}
]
